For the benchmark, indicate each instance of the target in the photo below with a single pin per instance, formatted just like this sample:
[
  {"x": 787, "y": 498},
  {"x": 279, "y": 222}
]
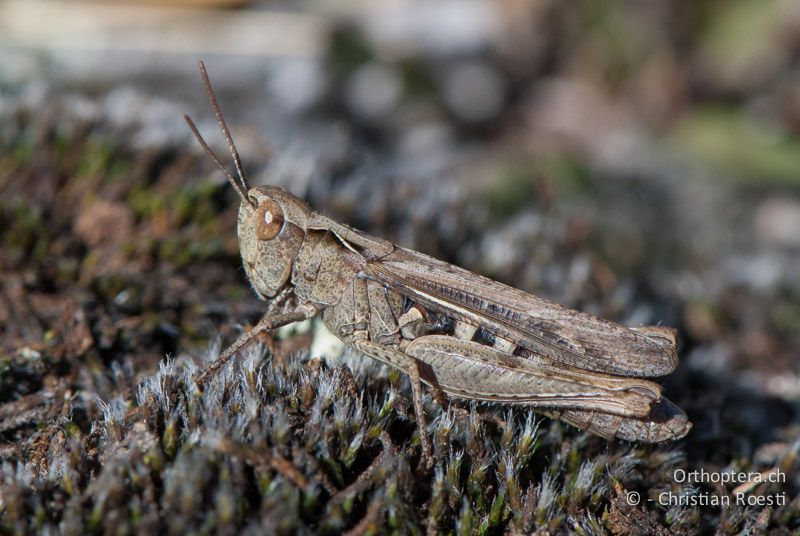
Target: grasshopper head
[
  {"x": 272, "y": 222},
  {"x": 272, "y": 225}
]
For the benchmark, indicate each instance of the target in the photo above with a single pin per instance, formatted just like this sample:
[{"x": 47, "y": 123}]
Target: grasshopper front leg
[{"x": 269, "y": 322}]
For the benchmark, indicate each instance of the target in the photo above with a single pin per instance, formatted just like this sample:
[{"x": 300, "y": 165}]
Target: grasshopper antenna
[{"x": 242, "y": 185}]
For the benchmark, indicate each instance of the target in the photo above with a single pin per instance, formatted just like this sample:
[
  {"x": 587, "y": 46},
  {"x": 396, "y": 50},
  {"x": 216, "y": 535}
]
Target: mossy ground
[
  {"x": 642, "y": 166},
  {"x": 112, "y": 260}
]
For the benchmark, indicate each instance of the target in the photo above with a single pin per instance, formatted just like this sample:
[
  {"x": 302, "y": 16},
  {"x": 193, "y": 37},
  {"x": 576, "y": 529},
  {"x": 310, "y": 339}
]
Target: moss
[
  {"x": 347, "y": 52},
  {"x": 511, "y": 191},
  {"x": 110, "y": 285},
  {"x": 22, "y": 152},
  {"x": 742, "y": 148},
  {"x": 63, "y": 146},
  {"x": 740, "y": 36},
  {"x": 570, "y": 176},
  {"x": 25, "y": 235},
  {"x": 96, "y": 158},
  {"x": 786, "y": 315}
]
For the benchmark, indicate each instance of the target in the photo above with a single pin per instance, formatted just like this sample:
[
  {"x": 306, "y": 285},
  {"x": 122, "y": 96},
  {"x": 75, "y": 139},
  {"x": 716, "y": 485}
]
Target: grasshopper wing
[{"x": 556, "y": 333}]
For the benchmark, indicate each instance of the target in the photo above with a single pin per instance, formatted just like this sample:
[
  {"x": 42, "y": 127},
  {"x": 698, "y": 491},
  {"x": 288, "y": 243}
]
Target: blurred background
[{"x": 636, "y": 160}]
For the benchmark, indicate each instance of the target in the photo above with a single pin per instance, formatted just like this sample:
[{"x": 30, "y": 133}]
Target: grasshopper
[{"x": 464, "y": 335}]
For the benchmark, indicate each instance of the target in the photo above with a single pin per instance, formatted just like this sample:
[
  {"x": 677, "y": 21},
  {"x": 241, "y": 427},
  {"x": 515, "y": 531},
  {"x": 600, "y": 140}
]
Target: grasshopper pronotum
[{"x": 464, "y": 335}]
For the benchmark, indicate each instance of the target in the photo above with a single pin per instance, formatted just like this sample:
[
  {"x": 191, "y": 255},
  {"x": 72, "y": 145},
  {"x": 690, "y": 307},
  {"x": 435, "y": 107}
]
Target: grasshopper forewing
[{"x": 463, "y": 334}]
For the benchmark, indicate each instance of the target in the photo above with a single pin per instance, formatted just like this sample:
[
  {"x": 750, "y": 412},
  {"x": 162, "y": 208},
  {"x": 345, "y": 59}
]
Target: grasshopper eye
[{"x": 269, "y": 221}]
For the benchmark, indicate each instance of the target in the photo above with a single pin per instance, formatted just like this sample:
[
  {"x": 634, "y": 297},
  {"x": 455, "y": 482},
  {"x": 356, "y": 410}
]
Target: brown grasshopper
[{"x": 464, "y": 335}]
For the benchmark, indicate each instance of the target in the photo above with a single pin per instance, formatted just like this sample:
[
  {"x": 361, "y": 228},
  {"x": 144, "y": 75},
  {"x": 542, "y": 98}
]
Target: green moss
[
  {"x": 570, "y": 176},
  {"x": 417, "y": 80},
  {"x": 145, "y": 202},
  {"x": 786, "y": 316},
  {"x": 351, "y": 453},
  {"x": 72, "y": 431},
  {"x": 110, "y": 285},
  {"x": 41, "y": 248},
  {"x": 26, "y": 232},
  {"x": 740, "y": 34},
  {"x": 119, "y": 168},
  {"x": 347, "y": 52},
  {"x": 63, "y": 146},
  {"x": 95, "y": 521},
  {"x": 738, "y": 147},
  {"x": 170, "y": 439},
  {"x": 135, "y": 514},
  {"x": 512, "y": 190},
  {"x": 22, "y": 152},
  {"x": 498, "y": 513},
  {"x": 465, "y": 522},
  {"x": 614, "y": 41},
  {"x": 96, "y": 158},
  {"x": 68, "y": 270}
]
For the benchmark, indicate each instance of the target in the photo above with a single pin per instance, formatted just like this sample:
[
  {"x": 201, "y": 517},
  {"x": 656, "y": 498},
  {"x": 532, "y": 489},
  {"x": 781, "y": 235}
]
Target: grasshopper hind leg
[
  {"x": 665, "y": 421},
  {"x": 410, "y": 366}
]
